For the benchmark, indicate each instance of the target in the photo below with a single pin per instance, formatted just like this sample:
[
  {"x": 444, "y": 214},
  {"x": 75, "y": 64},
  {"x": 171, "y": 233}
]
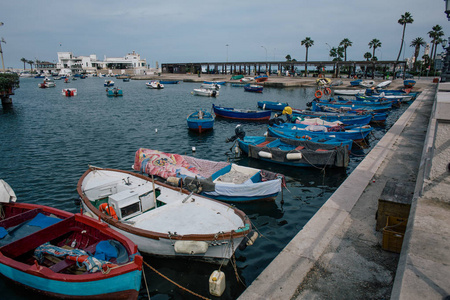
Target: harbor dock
[{"x": 339, "y": 253}]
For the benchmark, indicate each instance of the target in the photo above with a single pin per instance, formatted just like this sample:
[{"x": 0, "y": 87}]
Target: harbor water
[{"x": 48, "y": 140}]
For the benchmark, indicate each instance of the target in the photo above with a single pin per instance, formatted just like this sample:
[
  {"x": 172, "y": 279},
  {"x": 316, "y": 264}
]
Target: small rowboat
[
  {"x": 48, "y": 251},
  {"x": 242, "y": 114},
  {"x": 253, "y": 88},
  {"x": 114, "y": 92},
  {"x": 200, "y": 121},
  {"x": 295, "y": 153},
  {"x": 409, "y": 83},
  {"x": 70, "y": 92},
  {"x": 206, "y": 92},
  {"x": 108, "y": 83},
  {"x": 272, "y": 105}
]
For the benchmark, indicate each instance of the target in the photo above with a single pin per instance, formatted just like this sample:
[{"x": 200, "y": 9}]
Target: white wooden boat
[
  {"x": 348, "y": 92},
  {"x": 211, "y": 86},
  {"x": 367, "y": 83},
  {"x": 247, "y": 79},
  {"x": 154, "y": 84},
  {"x": 383, "y": 84},
  {"x": 161, "y": 219},
  {"x": 206, "y": 92}
]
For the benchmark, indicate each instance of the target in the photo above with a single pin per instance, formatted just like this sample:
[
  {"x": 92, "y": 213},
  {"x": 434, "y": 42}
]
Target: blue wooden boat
[
  {"x": 276, "y": 132},
  {"x": 218, "y": 180},
  {"x": 169, "y": 81},
  {"x": 345, "y": 118},
  {"x": 409, "y": 83},
  {"x": 355, "y": 133},
  {"x": 200, "y": 121},
  {"x": 356, "y": 82},
  {"x": 126, "y": 79},
  {"x": 360, "y": 101},
  {"x": 253, "y": 88},
  {"x": 294, "y": 152},
  {"x": 347, "y": 107},
  {"x": 114, "y": 92},
  {"x": 261, "y": 78},
  {"x": 242, "y": 114},
  {"x": 108, "y": 83},
  {"x": 64, "y": 255},
  {"x": 272, "y": 105},
  {"x": 367, "y": 100},
  {"x": 215, "y": 82}
]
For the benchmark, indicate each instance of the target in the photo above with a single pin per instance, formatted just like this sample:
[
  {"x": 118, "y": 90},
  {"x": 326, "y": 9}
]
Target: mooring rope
[{"x": 178, "y": 285}]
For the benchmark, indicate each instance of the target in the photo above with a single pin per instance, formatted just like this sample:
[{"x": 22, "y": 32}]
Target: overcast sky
[{"x": 198, "y": 31}]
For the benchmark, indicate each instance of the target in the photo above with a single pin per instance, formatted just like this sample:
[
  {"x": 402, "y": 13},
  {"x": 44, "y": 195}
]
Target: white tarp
[{"x": 6, "y": 193}]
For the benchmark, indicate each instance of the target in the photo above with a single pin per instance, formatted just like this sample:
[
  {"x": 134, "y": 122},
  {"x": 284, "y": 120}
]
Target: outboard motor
[{"x": 239, "y": 133}]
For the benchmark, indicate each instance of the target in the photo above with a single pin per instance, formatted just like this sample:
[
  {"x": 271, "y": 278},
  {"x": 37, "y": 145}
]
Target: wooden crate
[
  {"x": 393, "y": 234},
  {"x": 395, "y": 200}
]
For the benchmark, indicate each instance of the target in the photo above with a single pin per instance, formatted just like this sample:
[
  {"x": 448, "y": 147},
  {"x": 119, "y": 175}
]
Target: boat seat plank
[
  {"x": 34, "y": 240},
  {"x": 20, "y": 218},
  {"x": 263, "y": 144}
]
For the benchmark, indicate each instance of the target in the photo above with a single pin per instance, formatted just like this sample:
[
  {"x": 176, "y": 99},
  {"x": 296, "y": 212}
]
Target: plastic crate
[{"x": 394, "y": 233}]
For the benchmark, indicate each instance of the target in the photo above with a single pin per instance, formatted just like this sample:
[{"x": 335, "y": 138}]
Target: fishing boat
[
  {"x": 354, "y": 133},
  {"x": 294, "y": 152},
  {"x": 346, "y": 119},
  {"x": 356, "y": 82},
  {"x": 200, "y": 121},
  {"x": 237, "y": 77},
  {"x": 64, "y": 255},
  {"x": 367, "y": 83},
  {"x": 47, "y": 83},
  {"x": 211, "y": 86},
  {"x": 253, "y": 88},
  {"x": 169, "y": 81},
  {"x": 206, "y": 92},
  {"x": 348, "y": 92},
  {"x": 242, "y": 114},
  {"x": 114, "y": 92},
  {"x": 108, "y": 83},
  {"x": 154, "y": 84},
  {"x": 383, "y": 84},
  {"x": 218, "y": 180},
  {"x": 161, "y": 219},
  {"x": 409, "y": 83},
  {"x": 247, "y": 79},
  {"x": 330, "y": 140},
  {"x": 316, "y": 106},
  {"x": 215, "y": 82},
  {"x": 272, "y": 105},
  {"x": 261, "y": 78},
  {"x": 69, "y": 92},
  {"x": 127, "y": 79}
]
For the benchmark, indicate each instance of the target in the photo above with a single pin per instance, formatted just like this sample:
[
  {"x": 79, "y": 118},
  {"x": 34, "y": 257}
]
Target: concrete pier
[{"x": 338, "y": 254}]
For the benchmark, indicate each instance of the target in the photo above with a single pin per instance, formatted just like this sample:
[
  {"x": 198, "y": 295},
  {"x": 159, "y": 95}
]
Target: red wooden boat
[{"x": 47, "y": 250}]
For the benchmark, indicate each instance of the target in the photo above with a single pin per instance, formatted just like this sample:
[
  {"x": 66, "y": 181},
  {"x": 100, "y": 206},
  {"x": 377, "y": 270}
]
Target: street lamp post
[
  {"x": 266, "y": 51},
  {"x": 1, "y": 50}
]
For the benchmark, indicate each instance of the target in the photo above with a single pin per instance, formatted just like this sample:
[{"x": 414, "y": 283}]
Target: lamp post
[
  {"x": 447, "y": 8},
  {"x": 1, "y": 50},
  {"x": 266, "y": 51},
  {"x": 227, "y": 51}
]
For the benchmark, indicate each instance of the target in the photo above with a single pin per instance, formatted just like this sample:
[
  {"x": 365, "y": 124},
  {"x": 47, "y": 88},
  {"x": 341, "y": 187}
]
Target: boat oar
[{"x": 154, "y": 191}]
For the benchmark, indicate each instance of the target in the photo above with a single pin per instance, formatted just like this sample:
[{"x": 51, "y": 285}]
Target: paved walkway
[{"x": 338, "y": 255}]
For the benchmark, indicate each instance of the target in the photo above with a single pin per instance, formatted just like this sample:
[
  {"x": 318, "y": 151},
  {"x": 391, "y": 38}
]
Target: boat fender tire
[
  {"x": 318, "y": 94},
  {"x": 265, "y": 154},
  {"x": 109, "y": 210},
  {"x": 294, "y": 156}
]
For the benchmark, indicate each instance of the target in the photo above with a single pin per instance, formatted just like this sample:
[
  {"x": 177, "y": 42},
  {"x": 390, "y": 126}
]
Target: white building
[{"x": 130, "y": 64}]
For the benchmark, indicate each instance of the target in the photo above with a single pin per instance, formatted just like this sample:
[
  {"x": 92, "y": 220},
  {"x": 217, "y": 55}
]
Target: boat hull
[{"x": 236, "y": 114}]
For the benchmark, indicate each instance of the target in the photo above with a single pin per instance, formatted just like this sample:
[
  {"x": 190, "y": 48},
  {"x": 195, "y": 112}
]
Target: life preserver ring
[
  {"x": 318, "y": 94},
  {"x": 105, "y": 208},
  {"x": 327, "y": 91}
]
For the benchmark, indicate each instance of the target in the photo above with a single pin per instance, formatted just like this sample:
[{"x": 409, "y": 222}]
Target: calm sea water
[{"x": 48, "y": 140}]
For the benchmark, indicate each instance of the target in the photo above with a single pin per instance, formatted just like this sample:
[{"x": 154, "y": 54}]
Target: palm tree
[
  {"x": 375, "y": 43},
  {"x": 435, "y": 34},
  {"x": 345, "y": 43},
  {"x": 307, "y": 42},
  {"x": 417, "y": 43},
  {"x": 24, "y": 60},
  {"x": 367, "y": 56},
  {"x": 30, "y": 62},
  {"x": 405, "y": 19}
]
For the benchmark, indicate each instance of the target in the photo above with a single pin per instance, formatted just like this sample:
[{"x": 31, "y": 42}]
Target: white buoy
[
  {"x": 217, "y": 283},
  {"x": 193, "y": 149},
  {"x": 156, "y": 130}
]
